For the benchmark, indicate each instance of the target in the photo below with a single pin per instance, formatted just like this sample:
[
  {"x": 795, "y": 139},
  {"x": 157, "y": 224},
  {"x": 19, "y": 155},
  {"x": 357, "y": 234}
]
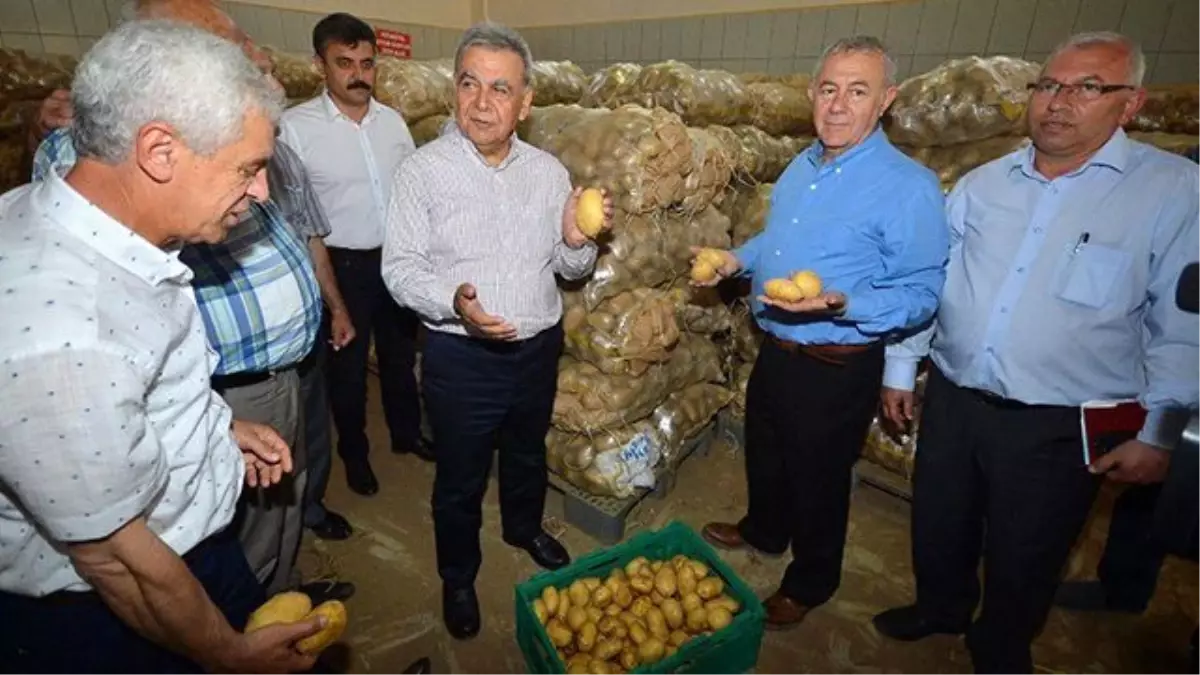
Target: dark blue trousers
[
  {"x": 69, "y": 632},
  {"x": 480, "y": 396}
]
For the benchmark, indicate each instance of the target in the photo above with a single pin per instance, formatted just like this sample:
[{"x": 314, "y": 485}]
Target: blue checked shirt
[{"x": 256, "y": 291}]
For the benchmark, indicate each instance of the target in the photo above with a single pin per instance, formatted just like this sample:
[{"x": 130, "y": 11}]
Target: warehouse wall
[
  {"x": 71, "y": 26},
  {"x": 920, "y": 33}
]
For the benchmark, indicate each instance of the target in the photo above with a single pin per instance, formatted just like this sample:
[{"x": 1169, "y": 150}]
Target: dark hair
[{"x": 343, "y": 29}]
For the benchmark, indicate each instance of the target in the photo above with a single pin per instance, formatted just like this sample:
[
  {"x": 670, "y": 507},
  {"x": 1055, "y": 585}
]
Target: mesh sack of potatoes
[
  {"x": 750, "y": 215},
  {"x": 780, "y": 110},
  {"x": 415, "y": 89},
  {"x": 712, "y": 167},
  {"x": 428, "y": 129},
  {"x": 747, "y": 337},
  {"x": 757, "y": 156},
  {"x": 699, "y": 97},
  {"x": 701, "y": 310},
  {"x": 590, "y": 400},
  {"x": 737, "y": 384},
  {"x": 1170, "y": 109},
  {"x": 557, "y": 82},
  {"x": 640, "y": 156},
  {"x": 962, "y": 100},
  {"x": 650, "y": 250},
  {"x": 14, "y": 164},
  {"x": 612, "y": 86},
  {"x": 298, "y": 74},
  {"x": 952, "y": 162},
  {"x": 685, "y": 413},
  {"x": 896, "y": 453},
  {"x": 26, "y": 77},
  {"x": 1175, "y": 143},
  {"x": 624, "y": 334}
]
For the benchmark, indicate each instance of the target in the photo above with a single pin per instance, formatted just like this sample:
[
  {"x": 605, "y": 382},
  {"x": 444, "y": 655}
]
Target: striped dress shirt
[{"x": 453, "y": 219}]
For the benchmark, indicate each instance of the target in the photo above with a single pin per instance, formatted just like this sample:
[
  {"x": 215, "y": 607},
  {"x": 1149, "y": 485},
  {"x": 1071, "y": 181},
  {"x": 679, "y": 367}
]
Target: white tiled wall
[
  {"x": 920, "y": 33},
  {"x": 71, "y": 26}
]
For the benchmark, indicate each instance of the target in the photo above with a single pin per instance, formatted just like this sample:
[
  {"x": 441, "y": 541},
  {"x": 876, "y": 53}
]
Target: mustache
[{"x": 357, "y": 84}]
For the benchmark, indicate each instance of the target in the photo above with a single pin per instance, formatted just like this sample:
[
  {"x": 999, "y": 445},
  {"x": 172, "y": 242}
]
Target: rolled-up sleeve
[
  {"x": 78, "y": 452},
  {"x": 407, "y": 268}
]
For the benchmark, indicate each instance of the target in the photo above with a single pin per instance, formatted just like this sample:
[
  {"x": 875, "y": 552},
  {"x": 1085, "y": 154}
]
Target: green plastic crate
[{"x": 733, "y": 649}]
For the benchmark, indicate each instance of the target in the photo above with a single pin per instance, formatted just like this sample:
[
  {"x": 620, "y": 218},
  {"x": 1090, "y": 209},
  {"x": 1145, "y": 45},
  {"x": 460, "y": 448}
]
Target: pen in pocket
[{"x": 1083, "y": 239}]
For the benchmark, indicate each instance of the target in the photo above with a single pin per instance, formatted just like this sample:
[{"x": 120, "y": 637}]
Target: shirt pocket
[{"x": 1089, "y": 274}]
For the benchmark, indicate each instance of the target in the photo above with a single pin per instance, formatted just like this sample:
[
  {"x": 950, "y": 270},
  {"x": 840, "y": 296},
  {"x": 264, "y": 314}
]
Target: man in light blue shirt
[
  {"x": 1059, "y": 291},
  {"x": 871, "y": 223}
]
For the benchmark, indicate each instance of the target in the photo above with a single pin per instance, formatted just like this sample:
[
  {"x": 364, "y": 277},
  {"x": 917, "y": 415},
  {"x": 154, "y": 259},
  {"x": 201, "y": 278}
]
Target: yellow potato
[
  {"x": 579, "y": 659},
  {"x": 613, "y": 583},
  {"x": 642, "y": 584},
  {"x": 629, "y": 659},
  {"x": 622, "y": 631},
  {"x": 592, "y": 583},
  {"x": 632, "y": 567},
  {"x": 657, "y": 623},
  {"x": 697, "y": 620},
  {"x": 679, "y": 561},
  {"x": 724, "y": 601},
  {"x": 576, "y": 617},
  {"x": 641, "y": 606},
  {"x": 665, "y": 582},
  {"x": 671, "y": 649},
  {"x": 678, "y": 638},
  {"x": 656, "y": 597},
  {"x": 559, "y": 634},
  {"x": 703, "y": 272},
  {"x": 607, "y": 625},
  {"x": 585, "y": 640},
  {"x": 638, "y": 634},
  {"x": 651, "y": 650},
  {"x": 699, "y": 569},
  {"x": 598, "y": 666},
  {"x": 710, "y": 588},
  {"x": 656, "y": 566},
  {"x": 686, "y": 580},
  {"x": 712, "y": 256},
  {"x": 672, "y": 612},
  {"x": 606, "y": 649},
  {"x": 589, "y": 212},
  {"x": 577, "y": 669},
  {"x": 539, "y": 610},
  {"x": 692, "y": 601},
  {"x": 579, "y": 594},
  {"x": 288, "y": 607},
  {"x": 612, "y": 610},
  {"x": 783, "y": 289},
  {"x": 808, "y": 282},
  {"x": 335, "y": 624},
  {"x": 628, "y": 618},
  {"x": 595, "y": 614},
  {"x": 623, "y": 597},
  {"x": 719, "y": 617},
  {"x": 602, "y": 597},
  {"x": 550, "y": 598}
]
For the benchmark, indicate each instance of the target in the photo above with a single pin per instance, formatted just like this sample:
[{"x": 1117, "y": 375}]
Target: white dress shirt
[
  {"x": 350, "y": 164},
  {"x": 107, "y": 409}
]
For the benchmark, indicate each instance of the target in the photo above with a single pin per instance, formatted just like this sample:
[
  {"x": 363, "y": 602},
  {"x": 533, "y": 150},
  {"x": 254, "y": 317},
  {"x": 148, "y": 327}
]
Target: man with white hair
[
  {"x": 870, "y": 222},
  {"x": 1059, "y": 292},
  {"x": 120, "y": 466}
]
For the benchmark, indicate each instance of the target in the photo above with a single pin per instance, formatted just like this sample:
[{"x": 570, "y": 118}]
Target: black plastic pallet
[{"x": 603, "y": 518}]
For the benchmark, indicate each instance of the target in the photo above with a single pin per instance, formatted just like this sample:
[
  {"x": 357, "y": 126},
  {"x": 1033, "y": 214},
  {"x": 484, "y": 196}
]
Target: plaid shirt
[{"x": 257, "y": 291}]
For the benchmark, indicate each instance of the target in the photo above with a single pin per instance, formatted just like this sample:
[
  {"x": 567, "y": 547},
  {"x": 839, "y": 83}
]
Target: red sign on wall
[{"x": 394, "y": 43}]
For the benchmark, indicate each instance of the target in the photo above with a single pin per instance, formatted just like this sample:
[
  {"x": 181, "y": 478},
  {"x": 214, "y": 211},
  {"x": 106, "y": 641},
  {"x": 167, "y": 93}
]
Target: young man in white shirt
[{"x": 351, "y": 145}]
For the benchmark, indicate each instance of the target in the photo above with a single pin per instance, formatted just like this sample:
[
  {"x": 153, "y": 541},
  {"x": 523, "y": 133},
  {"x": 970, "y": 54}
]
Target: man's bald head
[{"x": 205, "y": 15}]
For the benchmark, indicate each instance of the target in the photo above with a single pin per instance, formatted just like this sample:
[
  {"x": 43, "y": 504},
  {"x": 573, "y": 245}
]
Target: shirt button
[
  {"x": 812, "y": 186},
  {"x": 778, "y": 252},
  {"x": 1038, "y": 230},
  {"x": 838, "y": 170},
  {"x": 1020, "y": 270},
  {"x": 795, "y": 221},
  {"x": 1004, "y": 310}
]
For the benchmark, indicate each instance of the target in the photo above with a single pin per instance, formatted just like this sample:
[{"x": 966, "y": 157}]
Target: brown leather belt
[{"x": 837, "y": 355}]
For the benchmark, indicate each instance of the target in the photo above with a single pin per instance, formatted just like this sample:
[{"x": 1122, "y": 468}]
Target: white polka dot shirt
[{"x": 104, "y": 387}]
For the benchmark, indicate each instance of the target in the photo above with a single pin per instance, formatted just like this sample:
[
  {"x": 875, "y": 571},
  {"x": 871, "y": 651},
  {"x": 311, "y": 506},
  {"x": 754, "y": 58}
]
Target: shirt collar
[
  {"x": 1114, "y": 154},
  {"x": 333, "y": 112},
  {"x": 872, "y": 141},
  {"x": 514, "y": 153},
  {"x": 97, "y": 230}
]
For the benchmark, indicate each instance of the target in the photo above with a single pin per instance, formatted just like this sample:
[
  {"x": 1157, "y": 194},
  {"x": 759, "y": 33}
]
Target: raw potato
[
  {"x": 602, "y": 597},
  {"x": 700, "y": 569},
  {"x": 703, "y": 272},
  {"x": 629, "y": 659},
  {"x": 710, "y": 588},
  {"x": 665, "y": 581},
  {"x": 692, "y": 601},
  {"x": 576, "y": 617},
  {"x": 642, "y": 584},
  {"x": 607, "y": 625},
  {"x": 632, "y": 567},
  {"x": 335, "y": 624},
  {"x": 606, "y": 649},
  {"x": 672, "y": 612},
  {"x": 623, "y": 596},
  {"x": 686, "y": 580},
  {"x": 678, "y": 638},
  {"x": 579, "y": 594},
  {"x": 656, "y": 598},
  {"x": 808, "y": 282},
  {"x": 579, "y": 660},
  {"x": 586, "y": 639},
  {"x": 564, "y": 605},
  {"x": 671, "y": 649},
  {"x": 595, "y": 614},
  {"x": 651, "y": 650},
  {"x": 577, "y": 669},
  {"x": 550, "y": 599},
  {"x": 724, "y": 601},
  {"x": 719, "y": 617},
  {"x": 656, "y": 566},
  {"x": 613, "y": 610},
  {"x": 288, "y": 607},
  {"x": 559, "y": 634},
  {"x": 592, "y": 583},
  {"x": 697, "y": 620},
  {"x": 539, "y": 610},
  {"x": 628, "y": 618},
  {"x": 638, "y": 634},
  {"x": 589, "y": 212},
  {"x": 783, "y": 289},
  {"x": 657, "y": 623},
  {"x": 598, "y": 666},
  {"x": 641, "y": 606},
  {"x": 680, "y": 560}
]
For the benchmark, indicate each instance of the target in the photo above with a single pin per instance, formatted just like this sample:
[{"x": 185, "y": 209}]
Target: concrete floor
[{"x": 395, "y": 617}]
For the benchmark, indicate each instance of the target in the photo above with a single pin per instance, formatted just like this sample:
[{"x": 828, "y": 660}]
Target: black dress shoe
[
  {"x": 460, "y": 611},
  {"x": 361, "y": 478},
  {"x": 335, "y": 527},
  {"x": 419, "y": 667},
  {"x": 327, "y": 589},
  {"x": 907, "y": 625},
  {"x": 422, "y": 449},
  {"x": 545, "y": 551}
]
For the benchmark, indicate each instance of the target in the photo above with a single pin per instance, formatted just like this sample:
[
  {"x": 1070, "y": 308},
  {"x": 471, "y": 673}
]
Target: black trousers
[
  {"x": 483, "y": 395},
  {"x": 806, "y": 421},
  {"x": 1008, "y": 481},
  {"x": 70, "y": 632},
  {"x": 1133, "y": 555},
  {"x": 374, "y": 313},
  {"x": 318, "y": 439}
]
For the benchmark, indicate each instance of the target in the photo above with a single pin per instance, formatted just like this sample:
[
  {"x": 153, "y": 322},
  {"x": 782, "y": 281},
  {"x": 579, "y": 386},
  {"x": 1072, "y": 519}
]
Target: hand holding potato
[
  {"x": 587, "y": 214},
  {"x": 832, "y": 303},
  {"x": 478, "y": 322},
  {"x": 711, "y": 265}
]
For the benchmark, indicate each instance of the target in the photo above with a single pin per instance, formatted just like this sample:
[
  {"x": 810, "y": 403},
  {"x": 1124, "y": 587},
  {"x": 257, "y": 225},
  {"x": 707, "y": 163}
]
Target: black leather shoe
[
  {"x": 327, "y": 589},
  {"x": 361, "y": 478},
  {"x": 419, "y": 667},
  {"x": 545, "y": 551},
  {"x": 423, "y": 449},
  {"x": 460, "y": 611},
  {"x": 907, "y": 625},
  {"x": 335, "y": 527}
]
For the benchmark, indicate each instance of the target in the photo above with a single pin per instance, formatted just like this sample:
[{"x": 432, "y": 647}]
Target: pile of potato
[
  {"x": 611, "y": 85},
  {"x": 415, "y": 89},
  {"x": 749, "y": 213},
  {"x": 297, "y": 73},
  {"x": 637, "y": 616},
  {"x": 952, "y": 162},
  {"x": 699, "y": 97},
  {"x": 557, "y": 82},
  {"x": 779, "y": 109}
]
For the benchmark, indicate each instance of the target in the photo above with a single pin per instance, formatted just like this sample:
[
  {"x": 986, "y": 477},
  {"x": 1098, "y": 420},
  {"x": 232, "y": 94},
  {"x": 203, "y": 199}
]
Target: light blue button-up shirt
[
  {"x": 871, "y": 223},
  {"x": 1062, "y": 291}
]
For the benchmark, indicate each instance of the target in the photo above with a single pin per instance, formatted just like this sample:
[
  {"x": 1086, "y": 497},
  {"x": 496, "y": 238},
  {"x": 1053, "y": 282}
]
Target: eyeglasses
[{"x": 1084, "y": 91}]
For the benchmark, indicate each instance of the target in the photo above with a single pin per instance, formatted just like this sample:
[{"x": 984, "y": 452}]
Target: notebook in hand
[{"x": 1105, "y": 424}]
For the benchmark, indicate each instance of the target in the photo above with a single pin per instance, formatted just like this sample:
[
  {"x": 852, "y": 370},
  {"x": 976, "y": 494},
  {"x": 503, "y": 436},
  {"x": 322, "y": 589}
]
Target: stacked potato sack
[
  {"x": 640, "y": 375},
  {"x": 557, "y": 82},
  {"x": 416, "y": 89},
  {"x": 1170, "y": 118},
  {"x": 25, "y": 80},
  {"x": 298, "y": 74}
]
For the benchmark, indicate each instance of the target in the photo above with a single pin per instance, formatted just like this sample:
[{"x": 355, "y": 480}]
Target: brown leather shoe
[
  {"x": 783, "y": 612},
  {"x": 723, "y": 535}
]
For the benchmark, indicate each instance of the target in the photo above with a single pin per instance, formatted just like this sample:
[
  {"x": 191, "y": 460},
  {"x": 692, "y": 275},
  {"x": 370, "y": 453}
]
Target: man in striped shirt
[{"x": 478, "y": 226}]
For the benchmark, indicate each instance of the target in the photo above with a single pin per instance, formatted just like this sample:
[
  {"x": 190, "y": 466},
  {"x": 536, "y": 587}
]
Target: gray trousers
[{"x": 269, "y": 521}]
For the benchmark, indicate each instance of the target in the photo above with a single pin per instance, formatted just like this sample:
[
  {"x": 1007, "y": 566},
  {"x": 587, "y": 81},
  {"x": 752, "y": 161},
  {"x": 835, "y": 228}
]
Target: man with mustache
[
  {"x": 1060, "y": 290},
  {"x": 351, "y": 145}
]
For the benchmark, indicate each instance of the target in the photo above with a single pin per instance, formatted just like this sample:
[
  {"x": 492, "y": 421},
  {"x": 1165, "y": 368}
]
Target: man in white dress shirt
[
  {"x": 119, "y": 466},
  {"x": 479, "y": 225},
  {"x": 351, "y": 145}
]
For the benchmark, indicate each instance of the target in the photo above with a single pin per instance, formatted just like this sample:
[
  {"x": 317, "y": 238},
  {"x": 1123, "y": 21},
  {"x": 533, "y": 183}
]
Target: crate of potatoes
[{"x": 661, "y": 602}]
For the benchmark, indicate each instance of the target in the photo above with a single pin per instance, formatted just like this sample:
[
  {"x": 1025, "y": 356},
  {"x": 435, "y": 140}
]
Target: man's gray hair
[
  {"x": 498, "y": 37},
  {"x": 1135, "y": 65},
  {"x": 867, "y": 44},
  {"x": 169, "y": 72}
]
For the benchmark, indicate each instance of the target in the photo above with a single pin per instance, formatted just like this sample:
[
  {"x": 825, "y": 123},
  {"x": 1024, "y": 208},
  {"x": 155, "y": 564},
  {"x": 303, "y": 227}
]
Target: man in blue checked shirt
[
  {"x": 1060, "y": 290},
  {"x": 870, "y": 222}
]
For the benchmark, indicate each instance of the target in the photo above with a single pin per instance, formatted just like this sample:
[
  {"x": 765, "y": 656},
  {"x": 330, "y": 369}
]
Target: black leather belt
[
  {"x": 223, "y": 383},
  {"x": 998, "y": 401}
]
